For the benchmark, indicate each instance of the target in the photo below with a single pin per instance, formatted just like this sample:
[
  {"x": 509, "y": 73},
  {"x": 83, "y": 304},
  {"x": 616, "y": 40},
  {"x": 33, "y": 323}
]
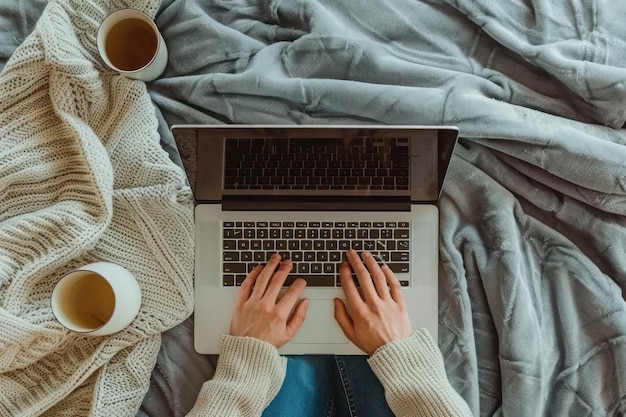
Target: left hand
[{"x": 258, "y": 311}]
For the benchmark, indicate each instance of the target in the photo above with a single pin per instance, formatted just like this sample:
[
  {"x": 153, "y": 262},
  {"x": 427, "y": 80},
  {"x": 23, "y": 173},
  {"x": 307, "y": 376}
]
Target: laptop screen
[{"x": 304, "y": 162}]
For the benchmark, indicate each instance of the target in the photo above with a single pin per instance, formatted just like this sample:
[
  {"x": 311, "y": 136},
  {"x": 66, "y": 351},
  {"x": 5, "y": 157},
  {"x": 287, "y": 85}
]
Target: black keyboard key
[
  {"x": 334, "y": 256},
  {"x": 232, "y": 233},
  {"x": 402, "y": 245},
  {"x": 399, "y": 256},
  {"x": 322, "y": 256},
  {"x": 321, "y": 280},
  {"x": 401, "y": 234},
  {"x": 235, "y": 268},
  {"x": 230, "y": 245},
  {"x": 398, "y": 267},
  {"x": 231, "y": 256},
  {"x": 239, "y": 279},
  {"x": 228, "y": 280}
]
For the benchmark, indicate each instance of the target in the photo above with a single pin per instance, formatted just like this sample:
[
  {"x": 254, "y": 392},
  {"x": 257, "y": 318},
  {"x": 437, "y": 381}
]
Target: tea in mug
[
  {"x": 131, "y": 44},
  {"x": 86, "y": 301}
]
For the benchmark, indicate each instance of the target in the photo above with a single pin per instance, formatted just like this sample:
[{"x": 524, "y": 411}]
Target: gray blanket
[{"x": 533, "y": 214}]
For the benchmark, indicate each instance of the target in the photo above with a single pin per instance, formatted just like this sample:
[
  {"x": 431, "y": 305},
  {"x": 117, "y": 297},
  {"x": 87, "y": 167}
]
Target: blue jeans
[{"x": 325, "y": 386}]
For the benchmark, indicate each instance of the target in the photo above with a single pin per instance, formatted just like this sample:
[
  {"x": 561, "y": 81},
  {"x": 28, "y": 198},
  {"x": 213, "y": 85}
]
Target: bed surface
[{"x": 532, "y": 317}]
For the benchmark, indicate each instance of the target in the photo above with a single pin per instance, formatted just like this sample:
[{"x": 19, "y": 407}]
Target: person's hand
[
  {"x": 258, "y": 311},
  {"x": 379, "y": 315}
]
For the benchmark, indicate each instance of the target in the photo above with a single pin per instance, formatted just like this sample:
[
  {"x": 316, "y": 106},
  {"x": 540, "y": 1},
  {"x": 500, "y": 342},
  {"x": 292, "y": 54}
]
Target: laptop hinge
[{"x": 249, "y": 203}]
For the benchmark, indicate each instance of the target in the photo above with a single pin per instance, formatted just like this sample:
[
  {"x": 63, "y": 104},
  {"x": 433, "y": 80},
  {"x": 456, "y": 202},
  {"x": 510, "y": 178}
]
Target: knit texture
[
  {"x": 414, "y": 377},
  {"x": 249, "y": 374},
  {"x": 82, "y": 179}
]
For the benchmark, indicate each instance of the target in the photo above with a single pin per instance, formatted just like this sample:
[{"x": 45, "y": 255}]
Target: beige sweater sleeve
[
  {"x": 413, "y": 375},
  {"x": 249, "y": 374}
]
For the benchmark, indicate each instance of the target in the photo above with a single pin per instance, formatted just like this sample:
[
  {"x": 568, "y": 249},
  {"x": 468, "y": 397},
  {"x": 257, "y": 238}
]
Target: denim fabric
[{"x": 329, "y": 386}]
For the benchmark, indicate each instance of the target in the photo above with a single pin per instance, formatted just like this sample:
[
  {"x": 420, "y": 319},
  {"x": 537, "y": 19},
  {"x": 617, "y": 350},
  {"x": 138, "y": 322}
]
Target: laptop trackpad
[{"x": 320, "y": 326}]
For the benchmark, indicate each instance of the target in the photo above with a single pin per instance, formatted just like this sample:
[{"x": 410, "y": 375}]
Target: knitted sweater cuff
[
  {"x": 249, "y": 374},
  {"x": 413, "y": 375}
]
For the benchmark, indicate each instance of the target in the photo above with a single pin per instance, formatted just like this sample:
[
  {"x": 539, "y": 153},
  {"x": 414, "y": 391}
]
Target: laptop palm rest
[{"x": 320, "y": 326}]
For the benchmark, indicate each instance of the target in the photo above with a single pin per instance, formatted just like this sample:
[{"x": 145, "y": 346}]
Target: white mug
[
  {"x": 98, "y": 299},
  {"x": 130, "y": 43}
]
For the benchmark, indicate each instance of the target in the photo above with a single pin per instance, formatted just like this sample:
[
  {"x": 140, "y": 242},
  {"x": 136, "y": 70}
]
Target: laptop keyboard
[
  {"x": 317, "y": 164},
  {"x": 316, "y": 249}
]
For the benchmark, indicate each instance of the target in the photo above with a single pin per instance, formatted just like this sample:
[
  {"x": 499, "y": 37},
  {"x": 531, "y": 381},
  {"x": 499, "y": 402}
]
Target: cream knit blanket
[{"x": 83, "y": 178}]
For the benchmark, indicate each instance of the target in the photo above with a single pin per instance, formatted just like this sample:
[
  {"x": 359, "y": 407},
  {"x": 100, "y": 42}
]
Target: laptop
[{"x": 310, "y": 193}]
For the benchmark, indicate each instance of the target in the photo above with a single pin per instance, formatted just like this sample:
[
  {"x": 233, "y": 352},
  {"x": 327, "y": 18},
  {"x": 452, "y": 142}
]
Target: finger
[
  {"x": 378, "y": 277},
  {"x": 264, "y": 277},
  {"x": 297, "y": 318},
  {"x": 344, "y": 320},
  {"x": 362, "y": 274},
  {"x": 348, "y": 286},
  {"x": 247, "y": 285},
  {"x": 395, "y": 289},
  {"x": 291, "y": 296},
  {"x": 278, "y": 280}
]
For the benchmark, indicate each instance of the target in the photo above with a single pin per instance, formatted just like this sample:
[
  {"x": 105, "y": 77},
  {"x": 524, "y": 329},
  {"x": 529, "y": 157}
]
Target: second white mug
[{"x": 98, "y": 299}]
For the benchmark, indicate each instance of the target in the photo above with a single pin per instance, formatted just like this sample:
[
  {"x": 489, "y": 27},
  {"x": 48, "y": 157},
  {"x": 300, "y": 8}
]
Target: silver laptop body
[{"x": 310, "y": 193}]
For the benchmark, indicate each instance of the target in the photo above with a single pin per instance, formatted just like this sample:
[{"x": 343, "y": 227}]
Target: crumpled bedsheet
[{"x": 532, "y": 317}]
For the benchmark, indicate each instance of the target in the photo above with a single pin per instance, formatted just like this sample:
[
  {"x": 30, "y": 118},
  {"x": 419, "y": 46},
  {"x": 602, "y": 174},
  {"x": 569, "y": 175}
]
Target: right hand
[{"x": 379, "y": 316}]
